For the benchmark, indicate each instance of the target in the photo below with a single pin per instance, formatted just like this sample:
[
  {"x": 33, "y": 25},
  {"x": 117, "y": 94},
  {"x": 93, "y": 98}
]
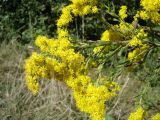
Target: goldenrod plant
[{"x": 61, "y": 58}]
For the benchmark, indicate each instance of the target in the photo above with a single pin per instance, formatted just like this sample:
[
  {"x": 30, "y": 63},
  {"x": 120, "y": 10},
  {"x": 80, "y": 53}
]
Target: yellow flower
[
  {"x": 62, "y": 33},
  {"x": 110, "y": 35},
  {"x": 141, "y": 34},
  {"x": 32, "y": 84},
  {"x": 151, "y": 10},
  {"x": 122, "y": 12},
  {"x": 125, "y": 28},
  {"x": 86, "y": 10},
  {"x": 139, "y": 114},
  {"x": 94, "y": 9},
  {"x": 156, "y": 117},
  {"x": 137, "y": 54},
  {"x": 143, "y": 15},
  {"x": 106, "y": 36},
  {"x": 134, "y": 42},
  {"x": 33, "y": 70},
  {"x": 65, "y": 17},
  {"x": 150, "y": 5},
  {"x": 97, "y": 49},
  {"x": 92, "y": 99}
]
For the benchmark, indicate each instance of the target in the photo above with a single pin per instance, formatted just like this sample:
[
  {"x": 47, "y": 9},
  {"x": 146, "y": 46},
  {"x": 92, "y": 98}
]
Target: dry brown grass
[{"x": 53, "y": 102}]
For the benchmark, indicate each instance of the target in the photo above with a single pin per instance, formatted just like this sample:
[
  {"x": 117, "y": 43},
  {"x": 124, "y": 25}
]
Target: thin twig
[
  {"x": 83, "y": 27},
  {"x": 120, "y": 94}
]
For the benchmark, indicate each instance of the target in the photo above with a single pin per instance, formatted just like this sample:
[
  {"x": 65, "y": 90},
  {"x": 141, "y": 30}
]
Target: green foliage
[
  {"x": 108, "y": 117},
  {"x": 24, "y": 20}
]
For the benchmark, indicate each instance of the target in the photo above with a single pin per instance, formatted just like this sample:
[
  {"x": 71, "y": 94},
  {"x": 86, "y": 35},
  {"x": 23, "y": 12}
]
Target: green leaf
[
  {"x": 108, "y": 117},
  {"x": 156, "y": 28}
]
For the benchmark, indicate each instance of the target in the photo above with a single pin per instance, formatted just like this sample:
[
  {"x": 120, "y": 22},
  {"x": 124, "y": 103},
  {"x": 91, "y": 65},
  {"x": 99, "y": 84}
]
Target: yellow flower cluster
[
  {"x": 137, "y": 54},
  {"x": 87, "y": 95},
  {"x": 97, "y": 49},
  {"x": 34, "y": 68},
  {"x": 151, "y": 10},
  {"x": 84, "y": 7},
  {"x": 66, "y": 17},
  {"x": 125, "y": 28},
  {"x": 134, "y": 36},
  {"x": 122, "y": 12},
  {"x": 58, "y": 60},
  {"x": 93, "y": 99},
  {"x": 105, "y": 37},
  {"x": 135, "y": 42},
  {"x": 139, "y": 114},
  {"x": 108, "y": 35},
  {"x": 137, "y": 39},
  {"x": 137, "y": 35},
  {"x": 115, "y": 32},
  {"x": 156, "y": 117},
  {"x": 77, "y": 7}
]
